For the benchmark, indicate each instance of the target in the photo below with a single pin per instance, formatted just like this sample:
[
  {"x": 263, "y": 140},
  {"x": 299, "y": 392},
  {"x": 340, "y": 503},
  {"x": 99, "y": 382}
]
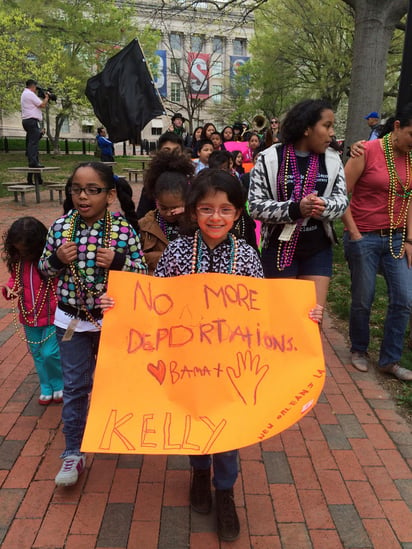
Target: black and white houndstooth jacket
[{"x": 263, "y": 203}]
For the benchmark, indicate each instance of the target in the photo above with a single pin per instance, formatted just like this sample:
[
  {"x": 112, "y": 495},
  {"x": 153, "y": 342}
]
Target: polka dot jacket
[{"x": 122, "y": 239}]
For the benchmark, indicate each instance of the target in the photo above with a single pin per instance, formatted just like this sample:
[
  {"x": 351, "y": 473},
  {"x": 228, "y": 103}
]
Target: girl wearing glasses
[
  {"x": 215, "y": 201},
  {"x": 81, "y": 247}
]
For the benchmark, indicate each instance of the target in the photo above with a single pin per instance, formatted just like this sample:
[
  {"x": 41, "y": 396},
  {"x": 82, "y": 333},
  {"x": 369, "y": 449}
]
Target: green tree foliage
[
  {"x": 16, "y": 60},
  {"x": 66, "y": 43},
  {"x": 301, "y": 49}
]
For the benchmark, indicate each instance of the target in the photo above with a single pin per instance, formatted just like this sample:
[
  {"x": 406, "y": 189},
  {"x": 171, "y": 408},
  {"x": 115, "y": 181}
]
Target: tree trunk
[
  {"x": 60, "y": 118},
  {"x": 374, "y": 26}
]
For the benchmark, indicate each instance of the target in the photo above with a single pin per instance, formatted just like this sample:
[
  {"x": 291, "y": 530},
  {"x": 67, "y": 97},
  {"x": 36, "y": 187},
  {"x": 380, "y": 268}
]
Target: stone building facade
[{"x": 199, "y": 55}]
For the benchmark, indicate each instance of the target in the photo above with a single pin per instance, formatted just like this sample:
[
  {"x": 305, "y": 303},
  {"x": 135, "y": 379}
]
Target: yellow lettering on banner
[{"x": 202, "y": 363}]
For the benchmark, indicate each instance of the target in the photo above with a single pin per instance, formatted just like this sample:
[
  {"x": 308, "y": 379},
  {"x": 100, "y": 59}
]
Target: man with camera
[{"x": 31, "y": 105}]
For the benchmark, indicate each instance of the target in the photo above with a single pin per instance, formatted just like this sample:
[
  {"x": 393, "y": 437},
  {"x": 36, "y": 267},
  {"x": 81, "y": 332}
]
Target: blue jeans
[
  {"x": 78, "y": 357},
  {"x": 366, "y": 257},
  {"x": 225, "y": 468}
]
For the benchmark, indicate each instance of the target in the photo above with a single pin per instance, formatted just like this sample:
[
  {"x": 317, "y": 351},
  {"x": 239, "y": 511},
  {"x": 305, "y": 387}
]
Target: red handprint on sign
[{"x": 248, "y": 376}]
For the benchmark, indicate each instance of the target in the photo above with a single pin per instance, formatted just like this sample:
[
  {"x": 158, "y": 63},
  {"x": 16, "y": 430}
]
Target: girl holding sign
[
  {"x": 81, "y": 247},
  {"x": 297, "y": 188},
  {"x": 215, "y": 202}
]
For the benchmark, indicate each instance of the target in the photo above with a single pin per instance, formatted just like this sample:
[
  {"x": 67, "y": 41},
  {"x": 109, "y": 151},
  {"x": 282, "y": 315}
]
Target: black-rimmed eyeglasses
[{"x": 87, "y": 190}]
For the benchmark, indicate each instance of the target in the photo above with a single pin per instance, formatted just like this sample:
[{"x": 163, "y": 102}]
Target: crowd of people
[{"x": 205, "y": 196}]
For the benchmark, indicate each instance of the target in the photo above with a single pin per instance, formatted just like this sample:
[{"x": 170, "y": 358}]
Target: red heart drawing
[{"x": 159, "y": 371}]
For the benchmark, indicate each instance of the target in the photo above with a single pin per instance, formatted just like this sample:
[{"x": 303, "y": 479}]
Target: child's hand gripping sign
[{"x": 202, "y": 363}]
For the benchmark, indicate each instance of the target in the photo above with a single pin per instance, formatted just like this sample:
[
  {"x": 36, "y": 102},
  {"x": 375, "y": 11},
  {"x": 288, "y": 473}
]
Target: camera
[{"x": 41, "y": 92}]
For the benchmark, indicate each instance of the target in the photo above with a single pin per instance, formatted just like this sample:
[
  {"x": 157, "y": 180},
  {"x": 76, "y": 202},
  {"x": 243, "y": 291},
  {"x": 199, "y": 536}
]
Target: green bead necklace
[{"x": 397, "y": 189}]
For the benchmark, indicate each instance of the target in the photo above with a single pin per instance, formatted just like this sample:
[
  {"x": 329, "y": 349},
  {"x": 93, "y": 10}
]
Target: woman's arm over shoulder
[
  {"x": 171, "y": 261},
  {"x": 259, "y": 190}
]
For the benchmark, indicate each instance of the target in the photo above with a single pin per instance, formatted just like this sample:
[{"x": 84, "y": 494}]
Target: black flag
[{"x": 124, "y": 96}]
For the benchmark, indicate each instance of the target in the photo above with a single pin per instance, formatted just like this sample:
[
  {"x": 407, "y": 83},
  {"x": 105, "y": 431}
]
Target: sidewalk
[{"x": 341, "y": 478}]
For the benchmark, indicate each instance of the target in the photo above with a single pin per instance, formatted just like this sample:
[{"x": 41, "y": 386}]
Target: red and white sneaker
[
  {"x": 45, "y": 400},
  {"x": 58, "y": 396},
  {"x": 72, "y": 467}
]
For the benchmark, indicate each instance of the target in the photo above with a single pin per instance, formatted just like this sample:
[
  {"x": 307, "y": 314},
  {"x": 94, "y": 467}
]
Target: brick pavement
[{"x": 341, "y": 478}]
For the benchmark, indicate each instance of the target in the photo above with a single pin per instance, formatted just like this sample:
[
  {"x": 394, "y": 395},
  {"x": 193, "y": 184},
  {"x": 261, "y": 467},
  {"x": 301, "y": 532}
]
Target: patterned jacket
[
  {"x": 123, "y": 240},
  {"x": 177, "y": 259},
  {"x": 263, "y": 203}
]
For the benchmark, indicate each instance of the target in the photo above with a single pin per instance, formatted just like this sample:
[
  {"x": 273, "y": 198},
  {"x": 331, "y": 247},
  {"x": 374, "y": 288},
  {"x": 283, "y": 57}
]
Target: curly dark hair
[
  {"x": 123, "y": 190},
  {"x": 168, "y": 170},
  {"x": 28, "y": 232},
  {"x": 302, "y": 116}
]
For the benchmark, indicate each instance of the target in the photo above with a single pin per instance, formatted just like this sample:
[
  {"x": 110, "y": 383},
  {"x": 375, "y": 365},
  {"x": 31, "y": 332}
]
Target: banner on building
[
  {"x": 202, "y": 363},
  {"x": 198, "y": 65},
  {"x": 160, "y": 79},
  {"x": 236, "y": 62}
]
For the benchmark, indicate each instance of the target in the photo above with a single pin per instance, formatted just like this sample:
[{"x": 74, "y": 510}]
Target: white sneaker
[
  {"x": 360, "y": 361},
  {"x": 72, "y": 467},
  {"x": 58, "y": 396},
  {"x": 404, "y": 374}
]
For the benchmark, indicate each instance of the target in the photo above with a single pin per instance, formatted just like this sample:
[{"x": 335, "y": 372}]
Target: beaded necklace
[
  {"x": 197, "y": 253},
  {"x": 46, "y": 289},
  {"x": 86, "y": 288},
  {"x": 170, "y": 231},
  {"x": 397, "y": 189},
  {"x": 301, "y": 188},
  {"x": 240, "y": 226}
]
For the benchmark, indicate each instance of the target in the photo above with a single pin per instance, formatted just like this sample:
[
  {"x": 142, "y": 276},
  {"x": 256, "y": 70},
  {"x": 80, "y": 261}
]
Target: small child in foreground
[
  {"x": 81, "y": 248},
  {"x": 35, "y": 296}
]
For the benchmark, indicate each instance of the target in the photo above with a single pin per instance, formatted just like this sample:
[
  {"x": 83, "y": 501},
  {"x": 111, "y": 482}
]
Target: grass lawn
[{"x": 65, "y": 162}]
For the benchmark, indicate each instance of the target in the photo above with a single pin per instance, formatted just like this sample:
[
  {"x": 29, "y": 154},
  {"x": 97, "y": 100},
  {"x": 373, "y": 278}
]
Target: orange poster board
[{"x": 202, "y": 363}]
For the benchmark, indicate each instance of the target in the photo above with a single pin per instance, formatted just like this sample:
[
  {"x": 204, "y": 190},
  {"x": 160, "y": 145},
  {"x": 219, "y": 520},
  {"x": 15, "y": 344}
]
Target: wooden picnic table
[
  {"x": 144, "y": 160},
  {"x": 35, "y": 171}
]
